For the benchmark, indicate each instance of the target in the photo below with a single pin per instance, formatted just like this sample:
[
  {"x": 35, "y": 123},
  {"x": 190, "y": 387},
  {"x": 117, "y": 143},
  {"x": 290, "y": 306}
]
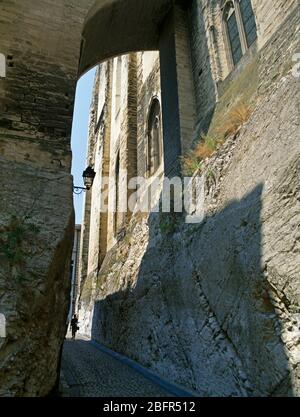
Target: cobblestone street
[{"x": 88, "y": 372}]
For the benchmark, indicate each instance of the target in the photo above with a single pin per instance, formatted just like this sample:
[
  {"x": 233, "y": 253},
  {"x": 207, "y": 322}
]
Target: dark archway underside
[{"x": 116, "y": 27}]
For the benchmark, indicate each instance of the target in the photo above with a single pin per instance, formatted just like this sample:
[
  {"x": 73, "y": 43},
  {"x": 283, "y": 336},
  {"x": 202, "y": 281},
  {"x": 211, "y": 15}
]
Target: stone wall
[
  {"x": 215, "y": 306},
  {"x": 36, "y": 210}
]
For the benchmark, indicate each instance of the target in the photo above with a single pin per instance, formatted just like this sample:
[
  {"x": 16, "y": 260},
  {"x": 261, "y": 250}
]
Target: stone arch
[
  {"x": 122, "y": 27},
  {"x": 116, "y": 27}
]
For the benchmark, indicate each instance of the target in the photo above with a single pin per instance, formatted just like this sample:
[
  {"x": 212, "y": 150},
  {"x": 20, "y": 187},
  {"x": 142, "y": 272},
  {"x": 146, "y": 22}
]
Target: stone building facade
[
  {"x": 125, "y": 111},
  {"x": 213, "y": 306},
  {"x": 126, "y": 87},
  {"x": 198, "y": 304}
]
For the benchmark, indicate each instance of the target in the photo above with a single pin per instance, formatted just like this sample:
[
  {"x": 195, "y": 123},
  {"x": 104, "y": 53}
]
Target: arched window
[
  {"x": 154, "y": 149},
  {"x": 248, "y": 20},
  {"x": 239, "y": 27},
  {"x": 232, "y": 32}
]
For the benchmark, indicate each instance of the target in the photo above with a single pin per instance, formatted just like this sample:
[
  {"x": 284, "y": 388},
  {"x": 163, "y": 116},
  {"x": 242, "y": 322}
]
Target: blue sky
[{"x": 80, "y": 135}]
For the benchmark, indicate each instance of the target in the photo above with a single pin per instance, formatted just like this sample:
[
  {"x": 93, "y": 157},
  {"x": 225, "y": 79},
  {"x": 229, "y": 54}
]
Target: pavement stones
[{"x": 88, "y": 372}]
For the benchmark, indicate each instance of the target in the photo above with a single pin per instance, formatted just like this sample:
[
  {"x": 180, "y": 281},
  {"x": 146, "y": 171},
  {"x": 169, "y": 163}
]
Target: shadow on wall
[{"x": 200, "y": 313}]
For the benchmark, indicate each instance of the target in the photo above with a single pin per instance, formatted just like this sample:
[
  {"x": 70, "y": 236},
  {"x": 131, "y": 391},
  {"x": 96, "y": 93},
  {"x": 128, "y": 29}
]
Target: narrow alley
[
  {"x": 149, "y": 203},
  {"x": 87, "y": 371}
]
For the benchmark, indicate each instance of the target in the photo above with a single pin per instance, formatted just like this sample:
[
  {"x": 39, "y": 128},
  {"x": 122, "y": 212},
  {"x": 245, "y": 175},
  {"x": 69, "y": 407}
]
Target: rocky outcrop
[
  {"x": 215, "y": 306},
  {"x": 34, "y": 278}
]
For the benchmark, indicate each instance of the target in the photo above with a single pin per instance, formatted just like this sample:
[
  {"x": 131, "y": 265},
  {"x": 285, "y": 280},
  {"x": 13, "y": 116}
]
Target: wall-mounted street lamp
[{"x": 88, "y": 179}]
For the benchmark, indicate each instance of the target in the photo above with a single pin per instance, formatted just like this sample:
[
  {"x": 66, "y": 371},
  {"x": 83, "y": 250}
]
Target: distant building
[{"x": 74, "y": 270}]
